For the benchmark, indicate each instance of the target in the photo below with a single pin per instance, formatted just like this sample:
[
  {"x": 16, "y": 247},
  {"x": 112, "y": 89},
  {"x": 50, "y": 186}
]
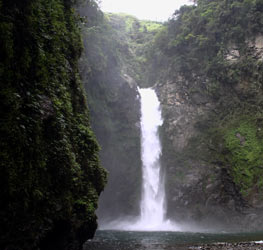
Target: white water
[
  {"x": 153, "y": 192},
  {"x": 152, "y": 217},
  {"x": 153, "y": 195}
]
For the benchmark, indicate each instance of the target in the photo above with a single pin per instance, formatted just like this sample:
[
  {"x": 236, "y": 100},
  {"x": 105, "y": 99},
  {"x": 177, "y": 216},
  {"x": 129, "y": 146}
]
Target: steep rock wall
[
  {"x": 117, "y": 128},
  {"x": 207, "y": 66},
  {"x": 50, "y": 176},
  {"x": 115, "y": 117},
  {"x": 203, "y": 185}
]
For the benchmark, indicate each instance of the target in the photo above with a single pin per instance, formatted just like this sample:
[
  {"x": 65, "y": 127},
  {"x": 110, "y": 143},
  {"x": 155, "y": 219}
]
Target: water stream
[
  {"x": 153, "y": 194},
  {"x": 153, "y": 209}
]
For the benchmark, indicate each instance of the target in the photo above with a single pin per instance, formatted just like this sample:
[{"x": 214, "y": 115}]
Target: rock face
[
  {"x": 115, "y": 117},
  {"x": 210, "y": 87},
  {"x": 198, "y": 189},
  {"x": 118, "y": 133},
  {"x": 201, "y": 184},
  {"x": 50, "y": 175},
  {"x": 255, "y": 46}
]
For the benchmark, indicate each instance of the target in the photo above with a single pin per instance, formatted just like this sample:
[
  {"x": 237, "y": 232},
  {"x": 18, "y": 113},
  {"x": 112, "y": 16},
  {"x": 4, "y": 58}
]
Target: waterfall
[
  {"x": 153, "y": 209},
  {"x": 153, "y": 195},
  {"x": 152, "y": 215}
]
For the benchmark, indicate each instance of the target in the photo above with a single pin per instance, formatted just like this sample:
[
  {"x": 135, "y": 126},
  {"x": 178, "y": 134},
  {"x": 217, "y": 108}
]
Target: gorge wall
[
  {"x": 210, "y": 88},
  {"x": 115, "y": 113},
  {"x": 50, "y": 175}
]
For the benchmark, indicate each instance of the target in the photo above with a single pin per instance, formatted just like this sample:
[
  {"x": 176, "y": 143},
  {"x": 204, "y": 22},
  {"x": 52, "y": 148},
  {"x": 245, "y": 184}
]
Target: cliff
[
  {"x": 210, "y": 88},
  {"x": 115, "y": 113},
  {"x": 50, "y": 175}
]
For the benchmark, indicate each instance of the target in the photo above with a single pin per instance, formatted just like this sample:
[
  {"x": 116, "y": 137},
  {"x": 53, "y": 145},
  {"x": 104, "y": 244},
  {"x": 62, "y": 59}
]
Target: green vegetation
[
  {"x": 199, "y": 37},
  {"x": 136, "y": 38},
  {"x": 149, "y": 26},
  {"x": 50, "y": 176},
  {"x": 211, "y": 48},
  {"x": 131, "y": 23},
  {"x": 244, "y": 145}
]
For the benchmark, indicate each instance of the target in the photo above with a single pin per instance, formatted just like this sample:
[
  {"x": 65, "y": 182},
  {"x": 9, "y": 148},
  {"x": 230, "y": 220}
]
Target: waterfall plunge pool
[
  {"x": 131, "y": 240},
  {"x": 152, "y": 231}
]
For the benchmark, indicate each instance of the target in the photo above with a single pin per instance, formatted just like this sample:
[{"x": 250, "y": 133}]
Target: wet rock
[{"x": 229, "y": 246}]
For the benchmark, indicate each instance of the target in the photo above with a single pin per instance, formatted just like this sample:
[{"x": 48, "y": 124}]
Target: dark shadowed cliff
[{"x": 50, "y": 176}]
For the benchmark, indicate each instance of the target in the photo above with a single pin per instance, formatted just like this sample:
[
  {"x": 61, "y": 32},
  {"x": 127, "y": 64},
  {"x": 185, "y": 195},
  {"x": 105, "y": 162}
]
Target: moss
[
  {"x": 49, "y": 155},
  {"x": 245, "y": 155}
]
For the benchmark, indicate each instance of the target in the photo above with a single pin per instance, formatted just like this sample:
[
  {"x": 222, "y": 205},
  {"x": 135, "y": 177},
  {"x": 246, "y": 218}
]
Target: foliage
[
  {"x": 136, "y": 38},
  {"x": 149, "y": 26},
  {"x": 198, "y": 37},
  {"x": 245, "y": 154},
  {"x": 209, "y": 48},
  {"x": 50, "y": 174}
]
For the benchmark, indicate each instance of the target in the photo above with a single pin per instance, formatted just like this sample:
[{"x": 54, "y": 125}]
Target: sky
[{"x": 155, "y": 10}]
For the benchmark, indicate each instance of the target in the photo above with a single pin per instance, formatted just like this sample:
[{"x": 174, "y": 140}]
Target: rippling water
[{"x": 125, "y": 240}]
